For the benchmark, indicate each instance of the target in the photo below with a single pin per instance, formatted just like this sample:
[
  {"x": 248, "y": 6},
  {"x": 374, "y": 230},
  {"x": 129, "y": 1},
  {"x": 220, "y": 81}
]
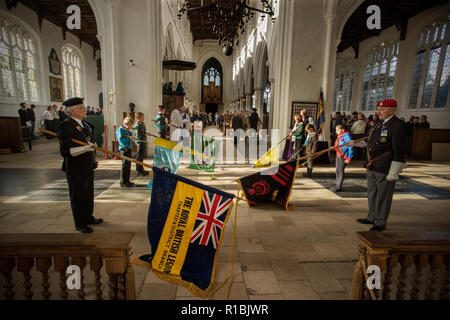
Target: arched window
[
  {"x": 379, "y": 74},
  {"x": 19, "y": 74},
  {"x": 72, "y": 72},
  {"x": 212, "y": 75},
  {"x": 430, "y": 83},
  {"x": 343, "y": 86}
]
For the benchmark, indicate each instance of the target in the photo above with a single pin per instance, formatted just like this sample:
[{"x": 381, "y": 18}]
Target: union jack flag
[{"x": 210, "y": 219}]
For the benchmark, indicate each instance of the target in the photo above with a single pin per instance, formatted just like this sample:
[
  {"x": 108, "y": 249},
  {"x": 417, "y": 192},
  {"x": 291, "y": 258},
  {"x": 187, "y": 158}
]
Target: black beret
[{"x": 73, "y": 102}]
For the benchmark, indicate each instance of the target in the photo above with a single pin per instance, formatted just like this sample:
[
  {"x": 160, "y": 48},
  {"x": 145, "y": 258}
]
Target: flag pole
[
  {"x": 317, "y": 154},
  {"x": 101, "y": 149}
]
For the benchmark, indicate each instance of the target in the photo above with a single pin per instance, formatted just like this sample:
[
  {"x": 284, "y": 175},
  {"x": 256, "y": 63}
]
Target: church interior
[{"x": 335, "y": 59}]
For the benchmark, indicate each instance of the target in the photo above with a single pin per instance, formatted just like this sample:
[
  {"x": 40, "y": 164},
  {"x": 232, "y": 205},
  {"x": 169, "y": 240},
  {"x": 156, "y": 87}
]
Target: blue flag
[
  {"x": 166, "y": 157},
  {"x": 186, "y": 224},
  {"x": 320, "y": 114}
]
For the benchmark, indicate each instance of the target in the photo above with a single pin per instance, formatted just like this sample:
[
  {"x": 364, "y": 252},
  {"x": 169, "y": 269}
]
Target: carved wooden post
[
  {"x": 43, "y": 265},
  {"x": 391, "y": 263},
  {"x": 420, "y": 261},
  {"x": 358, "y": 279},
  {"x": 61, "y": 264},
  {"x": 96, "y": 266},
  {"x": 112, "y": 286},
  {"x": 445, "y": 288},
  {"x": 24, "y": 265},
  {"x": 80, "y": 262},
  {"x": 405, "y": 262},
  {"x": 121, "y": 294},
  {"x": 434, "y": 261},
  {"x": 130, "y": 282},
  {"x": 6, "y": 267}
]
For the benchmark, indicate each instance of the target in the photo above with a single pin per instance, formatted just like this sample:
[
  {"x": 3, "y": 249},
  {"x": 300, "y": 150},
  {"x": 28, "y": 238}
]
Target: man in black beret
[{"x": 79, "y": 163}]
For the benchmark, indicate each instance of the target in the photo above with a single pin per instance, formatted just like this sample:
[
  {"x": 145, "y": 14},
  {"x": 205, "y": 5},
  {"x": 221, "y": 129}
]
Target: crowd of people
[
  {"x": 51, "y": 118},
  {"x": 385, "y": 152},
  {"x": 359, "y": 126},
  {"x": 227, "y": 120}
]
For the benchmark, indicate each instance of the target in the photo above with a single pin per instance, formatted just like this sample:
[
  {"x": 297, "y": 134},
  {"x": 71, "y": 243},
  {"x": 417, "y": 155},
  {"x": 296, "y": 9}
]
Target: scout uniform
[
  {"x": 161, "y": 125},
  {"x": 125, "y": 147},
  {"x": 300, "y": 137},
  {"x": 141, "y": 134},
  {"x": 343, "y": 154},
  {"x": 385, "y": 161}
]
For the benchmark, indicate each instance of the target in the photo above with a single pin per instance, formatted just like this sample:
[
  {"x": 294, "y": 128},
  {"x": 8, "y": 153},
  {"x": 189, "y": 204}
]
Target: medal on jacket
[
  {"x": 384, "y": 134},
  {"x": 88, "y": 139}
]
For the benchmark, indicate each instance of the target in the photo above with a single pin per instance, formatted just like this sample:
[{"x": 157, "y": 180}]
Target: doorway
[{"x": 212, "y": 108}]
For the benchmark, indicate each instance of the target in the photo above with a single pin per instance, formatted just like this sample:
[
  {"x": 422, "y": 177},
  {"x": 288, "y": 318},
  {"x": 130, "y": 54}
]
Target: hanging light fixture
[{"x": 228, "y": 18}]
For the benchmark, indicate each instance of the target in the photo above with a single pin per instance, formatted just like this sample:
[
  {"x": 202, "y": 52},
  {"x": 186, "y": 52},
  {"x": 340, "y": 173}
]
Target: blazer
[
  {"x": 68, "y": 130},
  {"x": 390, "y": 136}
]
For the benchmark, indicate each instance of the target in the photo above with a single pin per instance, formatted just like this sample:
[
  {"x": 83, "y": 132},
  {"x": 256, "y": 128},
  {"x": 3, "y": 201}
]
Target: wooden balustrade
[
  {"x": 413, "y": 266},
  {"x": 26, "y": 262}
]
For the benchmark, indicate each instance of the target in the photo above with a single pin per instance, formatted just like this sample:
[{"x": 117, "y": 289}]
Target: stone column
[
  {"x": 248, "y": 101},
  {"x": 110, "y": 56},
  {"x": 259, "y": 97},
  {"x": 329, "y": 66}
]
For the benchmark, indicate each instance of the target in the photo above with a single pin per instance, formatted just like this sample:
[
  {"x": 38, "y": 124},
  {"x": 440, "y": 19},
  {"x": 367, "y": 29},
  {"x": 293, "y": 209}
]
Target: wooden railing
[
  {"x": 26, "y": 262},
  {"x": 413, "y": 266}
]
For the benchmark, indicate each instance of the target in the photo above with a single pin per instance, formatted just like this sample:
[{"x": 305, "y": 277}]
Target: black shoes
[
  {"x": 142, "y": 173},
  {"x": 378, "y": 228},
  {"x": 127, "y": 185},
  {"x": 85, "y": 229},
  {"x": 96, "y": 221},
  {"x": 308, "y": 173},
  {"x": 335, "y": 189},
  {"x": 364, "y": 221}
]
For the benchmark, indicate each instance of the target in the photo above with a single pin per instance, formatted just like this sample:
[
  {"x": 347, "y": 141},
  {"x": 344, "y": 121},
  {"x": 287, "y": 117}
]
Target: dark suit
[
  {"x": 79, "y": 170},
  {"x": 237, "y": 124},
  {"x": 254, "y": 119},
  {"x": 387, "y": 143},
  {"x": 23, "y": 114}
]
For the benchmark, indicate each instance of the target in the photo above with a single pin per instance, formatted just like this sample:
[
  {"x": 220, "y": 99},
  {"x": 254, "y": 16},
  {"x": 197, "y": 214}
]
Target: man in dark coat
[
  {"x": 79, "y": 164},
  {"x": 254, "y": 120},
  {"x": 23, "y": 114},
  {"x": 237, "y": 124},
  {"x": 385, "y": 161},
  {"x": 32, "y": 119}
]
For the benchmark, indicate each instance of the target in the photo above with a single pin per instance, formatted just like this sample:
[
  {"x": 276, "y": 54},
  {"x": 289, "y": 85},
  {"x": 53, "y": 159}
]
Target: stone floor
[{"x": 307, "y": 253}]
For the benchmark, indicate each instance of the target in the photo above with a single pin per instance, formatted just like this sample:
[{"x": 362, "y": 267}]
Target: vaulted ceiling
[
  {"x": 393, "y": 13},
  {"x": 55, "y": 12},
  {"x": 201, "y": 25}
]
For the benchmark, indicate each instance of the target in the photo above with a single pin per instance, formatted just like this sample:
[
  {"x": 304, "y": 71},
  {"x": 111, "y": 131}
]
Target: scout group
[{"x": 385, "y": 157}]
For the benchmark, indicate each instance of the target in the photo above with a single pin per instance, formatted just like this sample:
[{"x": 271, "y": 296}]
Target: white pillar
[
  {"x": 329, "y": 65},
  {"x": 110, "y": 62},
  {"x": 259, "y": 102},
  {"x": 154, "y": 27},
  {"x": 248, "y": 102}
]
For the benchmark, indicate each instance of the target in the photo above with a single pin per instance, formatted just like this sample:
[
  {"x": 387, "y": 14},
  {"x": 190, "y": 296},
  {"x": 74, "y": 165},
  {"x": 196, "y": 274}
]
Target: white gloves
[
  {"x": 77, "y": 151},
  {"x": 395, "y": 170}
]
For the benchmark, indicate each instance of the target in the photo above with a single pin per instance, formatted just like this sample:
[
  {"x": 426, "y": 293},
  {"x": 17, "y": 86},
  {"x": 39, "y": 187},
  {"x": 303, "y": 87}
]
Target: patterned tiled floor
[{"x": 307, "y": 253}]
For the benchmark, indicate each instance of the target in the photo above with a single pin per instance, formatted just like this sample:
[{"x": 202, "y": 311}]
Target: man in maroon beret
[{"x": 385, "y": 161}]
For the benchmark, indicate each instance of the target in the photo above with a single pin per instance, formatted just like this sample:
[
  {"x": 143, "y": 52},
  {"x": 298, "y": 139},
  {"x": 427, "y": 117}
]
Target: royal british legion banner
[{"x": 186, "y": 223}]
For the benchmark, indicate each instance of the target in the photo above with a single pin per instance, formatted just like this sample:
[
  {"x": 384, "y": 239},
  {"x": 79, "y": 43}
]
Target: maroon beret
[{"x": 388, "y": 103}]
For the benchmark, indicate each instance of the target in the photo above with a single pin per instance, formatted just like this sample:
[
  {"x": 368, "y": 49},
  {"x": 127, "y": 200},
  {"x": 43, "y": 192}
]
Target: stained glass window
[
  {"x": 343, "y": 86},
  {"x": 429, "y": 85},
  {"x": 18, "y": 69},
  {"x": 379, "y": 74},
  {"x": 212, "y": 75},
  {"x": 72, "y": 72}
]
